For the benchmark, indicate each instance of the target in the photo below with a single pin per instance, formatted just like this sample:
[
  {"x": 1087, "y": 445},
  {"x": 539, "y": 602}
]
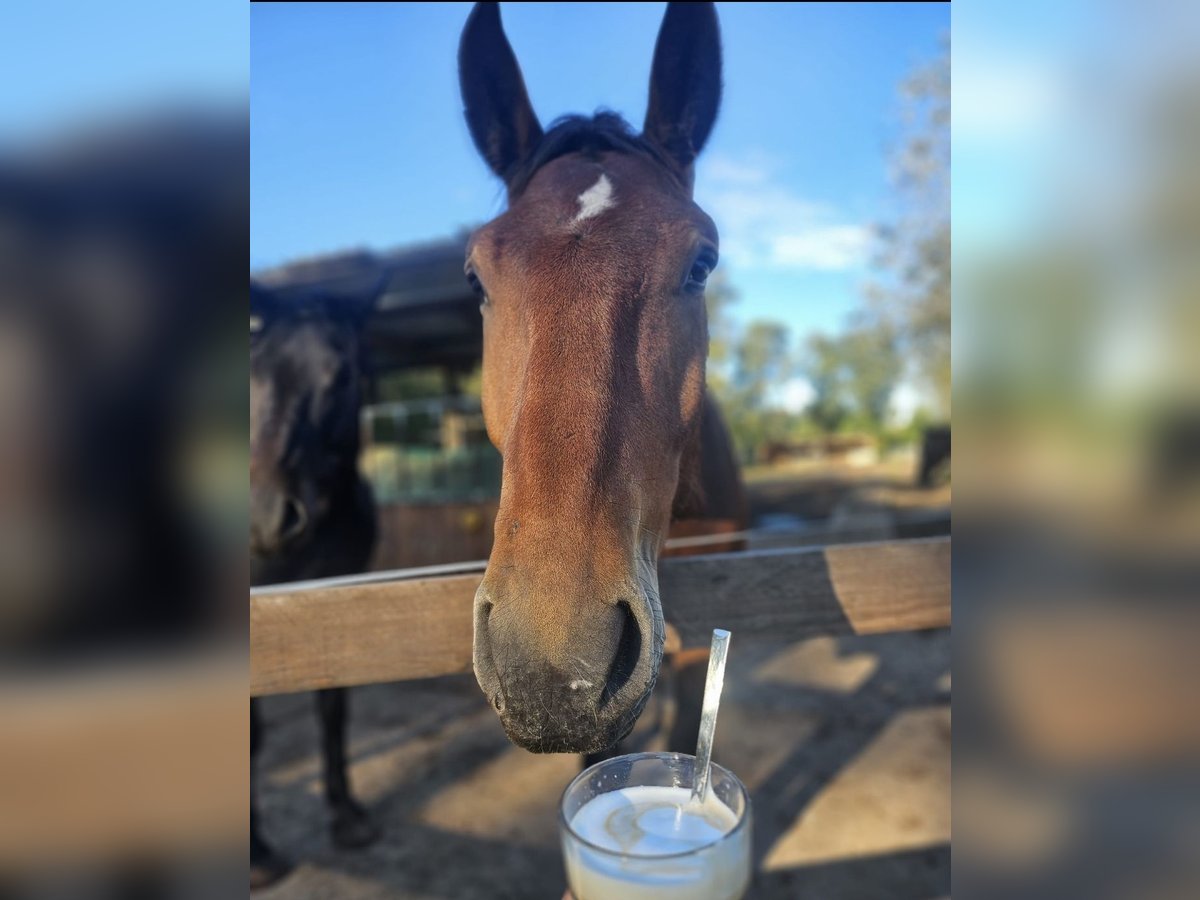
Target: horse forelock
[{"x": 590, "y": 136}]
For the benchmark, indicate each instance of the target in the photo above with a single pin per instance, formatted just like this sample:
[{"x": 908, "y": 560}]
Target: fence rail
[{"x": 330, "y": 635}]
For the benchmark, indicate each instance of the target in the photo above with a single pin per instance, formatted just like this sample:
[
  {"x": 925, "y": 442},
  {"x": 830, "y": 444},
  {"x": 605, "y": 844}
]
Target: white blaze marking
[{"x": 595, "y": 199}]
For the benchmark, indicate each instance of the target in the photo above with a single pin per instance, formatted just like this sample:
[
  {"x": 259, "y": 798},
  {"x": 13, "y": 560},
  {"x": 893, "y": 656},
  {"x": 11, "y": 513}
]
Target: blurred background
[
  {"x": 1075, "y": 309},
  {"x": 123, "y": 434}
]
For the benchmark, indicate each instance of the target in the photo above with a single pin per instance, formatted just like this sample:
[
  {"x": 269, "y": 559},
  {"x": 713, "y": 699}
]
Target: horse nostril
[
  {"x": 629, "y": 652},
  {"x": 295, "y": 518},
  {"x": 485, "y": 671}
]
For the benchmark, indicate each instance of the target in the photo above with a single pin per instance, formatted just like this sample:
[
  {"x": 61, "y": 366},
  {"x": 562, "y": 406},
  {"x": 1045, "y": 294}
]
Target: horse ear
[
  {"x": 501, "y": 119},
  {"x": 685, "y": 81}
]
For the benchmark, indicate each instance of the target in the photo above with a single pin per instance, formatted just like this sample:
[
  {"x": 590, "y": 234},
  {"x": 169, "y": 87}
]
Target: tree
[
  {"x": 871, "y": 359},
  {"x": 718, "y": 297},
  {"x": 760, "y": 359},
  {"x": 722, "y": 333},
  {"x": 823, "y": 367},
  {"x": 744, "y": 364},
  {"x": 915, "y": 247},
  {"x": 853, "y": 375}
]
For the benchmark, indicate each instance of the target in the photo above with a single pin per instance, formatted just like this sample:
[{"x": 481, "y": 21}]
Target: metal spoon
[{"x": 708, "y": 713}]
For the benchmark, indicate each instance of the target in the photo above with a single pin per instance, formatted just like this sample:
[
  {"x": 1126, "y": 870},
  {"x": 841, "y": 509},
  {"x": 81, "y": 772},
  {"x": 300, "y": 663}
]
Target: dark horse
[
  {"x": 595, "y": 336},
  {"x": 311, "y": 514}
]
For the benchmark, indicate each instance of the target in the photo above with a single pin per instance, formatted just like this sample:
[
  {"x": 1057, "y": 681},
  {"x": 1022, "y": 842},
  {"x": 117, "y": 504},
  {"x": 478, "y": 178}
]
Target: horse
[
  {"x": 591, "y": 287},
  {"x": 935, "y": 456},
  {"x": 311, "y": 513}
]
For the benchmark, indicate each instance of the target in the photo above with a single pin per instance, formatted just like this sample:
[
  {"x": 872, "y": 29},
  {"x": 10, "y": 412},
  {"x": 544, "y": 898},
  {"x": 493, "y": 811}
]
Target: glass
[{"x": 719, "y": 870}]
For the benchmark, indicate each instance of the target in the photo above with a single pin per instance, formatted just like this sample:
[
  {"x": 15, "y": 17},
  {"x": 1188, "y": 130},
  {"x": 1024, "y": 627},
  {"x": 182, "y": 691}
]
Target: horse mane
[{"x": 588, "y": 135}]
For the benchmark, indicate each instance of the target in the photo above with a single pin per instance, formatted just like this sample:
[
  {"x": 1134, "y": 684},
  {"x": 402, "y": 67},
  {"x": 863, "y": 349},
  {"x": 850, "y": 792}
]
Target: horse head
[{"x": 592, "y": 294}]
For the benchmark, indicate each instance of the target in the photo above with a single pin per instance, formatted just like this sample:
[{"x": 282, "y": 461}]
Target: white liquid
[{"x": 642, "y": 823}]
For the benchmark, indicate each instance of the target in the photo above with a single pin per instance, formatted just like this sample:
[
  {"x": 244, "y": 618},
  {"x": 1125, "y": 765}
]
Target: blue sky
[
  {"x": 358, "y": 138},
  {"x": 118, "y": 58}
]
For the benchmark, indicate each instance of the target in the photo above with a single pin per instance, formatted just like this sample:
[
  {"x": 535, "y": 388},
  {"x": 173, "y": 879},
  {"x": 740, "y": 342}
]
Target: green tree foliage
[
  {"x": 852, "y": 377},
  {"x": 722, "y": 331},
  {"x": 823, "y": 366},
  {"x": 744, "y": 365},
  {"x": 761, "y": 359},
  {"x": 871, "y": 358}
]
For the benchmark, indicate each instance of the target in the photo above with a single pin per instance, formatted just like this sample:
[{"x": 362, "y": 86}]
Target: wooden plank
[
  {"x": 361, "y": 634},
  {"x": 794, "y": 594},
  {"x": 421, "y": 628}
]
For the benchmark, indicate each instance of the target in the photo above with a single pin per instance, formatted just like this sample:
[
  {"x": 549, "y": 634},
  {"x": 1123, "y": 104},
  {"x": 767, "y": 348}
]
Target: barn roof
[{"x": 425, "y": 313}]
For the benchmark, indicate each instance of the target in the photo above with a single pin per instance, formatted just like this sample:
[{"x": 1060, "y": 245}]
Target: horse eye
[
  {"x": 698, "y": 276},
  {"x": 477, "y": 287}
]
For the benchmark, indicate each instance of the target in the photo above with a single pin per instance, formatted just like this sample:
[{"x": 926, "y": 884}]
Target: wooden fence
[{"x": 330, "y": 636}]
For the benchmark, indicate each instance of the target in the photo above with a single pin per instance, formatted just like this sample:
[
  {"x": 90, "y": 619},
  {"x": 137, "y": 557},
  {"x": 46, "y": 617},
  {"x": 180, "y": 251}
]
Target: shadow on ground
[{"x": 843, "y": 743}]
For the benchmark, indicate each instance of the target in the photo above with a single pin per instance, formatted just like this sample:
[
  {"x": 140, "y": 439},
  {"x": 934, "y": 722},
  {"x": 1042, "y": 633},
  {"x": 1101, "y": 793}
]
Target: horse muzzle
[
  {"x": 278, "y": 521},
  {"x": 574, "y": 684}
]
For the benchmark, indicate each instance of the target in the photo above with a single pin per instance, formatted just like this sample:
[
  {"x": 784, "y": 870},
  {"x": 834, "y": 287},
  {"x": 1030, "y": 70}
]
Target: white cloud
[
  {"x": 831, "y": 248},
  {"x": 764, "y": 224}
]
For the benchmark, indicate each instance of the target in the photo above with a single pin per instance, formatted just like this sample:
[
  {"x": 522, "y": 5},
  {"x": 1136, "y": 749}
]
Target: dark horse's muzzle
[{"x": 278, "y": 520}]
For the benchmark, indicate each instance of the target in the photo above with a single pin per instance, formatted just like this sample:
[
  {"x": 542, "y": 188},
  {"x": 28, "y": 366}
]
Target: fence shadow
[
  {"x": 907, "y": 875},
  {"x": 851, "y": 723}
]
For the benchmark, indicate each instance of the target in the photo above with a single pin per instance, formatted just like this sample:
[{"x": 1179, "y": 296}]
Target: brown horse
[{"x": 595, "y": 337}]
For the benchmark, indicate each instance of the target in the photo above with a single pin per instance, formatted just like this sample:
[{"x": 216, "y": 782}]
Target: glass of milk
[{"x": 630, "y": 831}]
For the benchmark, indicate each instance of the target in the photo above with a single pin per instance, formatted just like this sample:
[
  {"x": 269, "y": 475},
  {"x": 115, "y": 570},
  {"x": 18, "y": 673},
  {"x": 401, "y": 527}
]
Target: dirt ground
[
  {"x": 842, "y": 502},
  {"x": 844, "y": 744}
]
